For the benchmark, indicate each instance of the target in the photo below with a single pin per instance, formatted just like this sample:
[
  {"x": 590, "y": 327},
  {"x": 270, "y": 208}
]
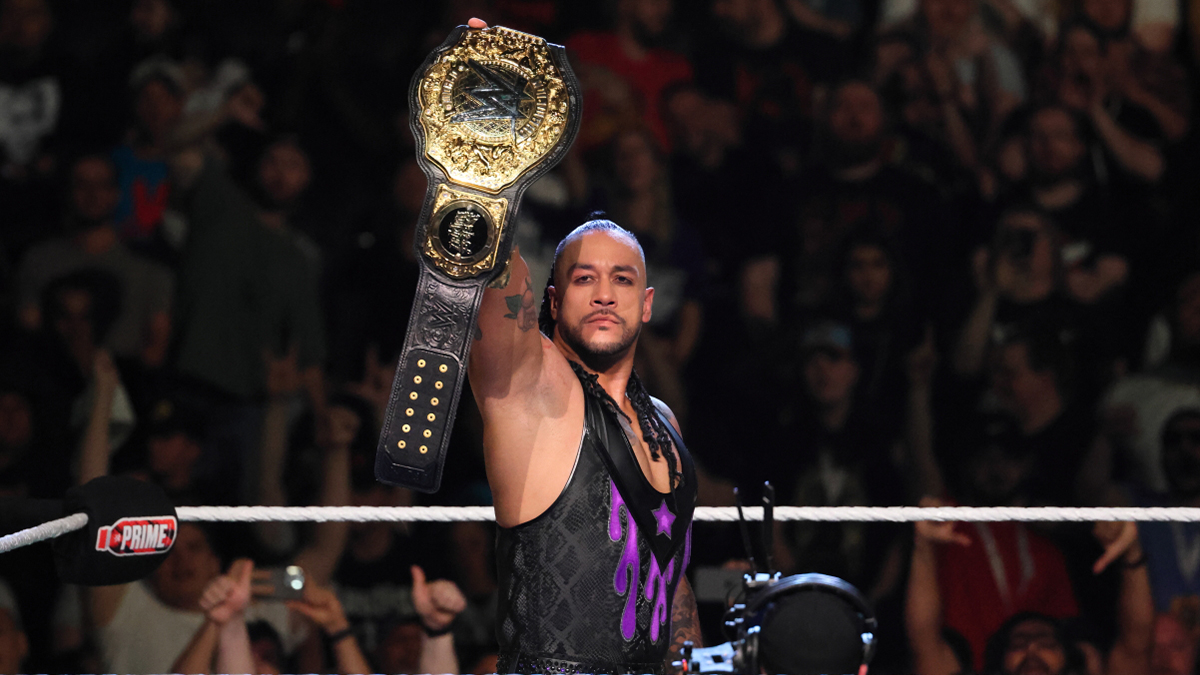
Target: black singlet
[{"x": 587, "y": 586}]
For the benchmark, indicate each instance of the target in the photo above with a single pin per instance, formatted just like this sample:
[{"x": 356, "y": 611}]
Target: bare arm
[
  {"x": 321, "y": 606},
  {"x": 437, "y": 603},
  {"x": 685, "y": 623},
  {"x": 506, "y": 356},
  {"x": 1130, "y": 653},
  {"x": 197, "y": 657},
  {"x": 923, "y": 607},
  {"x": 320, "y": 558}
]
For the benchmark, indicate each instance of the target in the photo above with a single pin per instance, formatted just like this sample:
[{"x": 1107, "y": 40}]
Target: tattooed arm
[
  {"x": 507, "y": 347},
  {"x": 685, "y": 624}
]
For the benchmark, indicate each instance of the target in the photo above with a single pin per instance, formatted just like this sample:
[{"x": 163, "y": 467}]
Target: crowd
[{"x": 904, "y": 251}]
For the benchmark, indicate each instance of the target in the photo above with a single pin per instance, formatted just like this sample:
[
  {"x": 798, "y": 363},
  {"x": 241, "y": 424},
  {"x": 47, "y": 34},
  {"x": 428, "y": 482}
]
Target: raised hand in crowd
[
  {"x": 437, "y": 604},
  {"x": 223, "y": 636},
  {"x": 321, "y": 606},
  {"x": 376, "y": 383}
]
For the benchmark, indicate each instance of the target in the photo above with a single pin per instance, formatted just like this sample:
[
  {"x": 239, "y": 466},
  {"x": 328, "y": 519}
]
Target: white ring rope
[
  {"x": 893, "y": 514},
  {"x": 450, "y": 514},
  {"x": 47, "y": 530}
]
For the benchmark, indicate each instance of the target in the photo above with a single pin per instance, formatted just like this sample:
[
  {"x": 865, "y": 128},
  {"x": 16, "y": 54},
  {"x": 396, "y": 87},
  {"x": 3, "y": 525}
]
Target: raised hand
[
  {"x": 227, "y": 596},
  {"x": 1118, "y": 539},
  {"x": 934, "y": 532},
  {"x": 322, "y": 607},
  {"x": 437, "y": 602}
]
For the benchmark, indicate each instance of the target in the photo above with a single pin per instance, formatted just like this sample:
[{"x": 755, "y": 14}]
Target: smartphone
[{"x": 287, "y": 583}]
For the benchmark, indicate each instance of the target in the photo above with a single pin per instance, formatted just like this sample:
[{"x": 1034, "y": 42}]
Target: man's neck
[
  {"x": 834, "y": 416},
  {"x": 613, "y": 377},
  {"x": 97, "y": 240}
]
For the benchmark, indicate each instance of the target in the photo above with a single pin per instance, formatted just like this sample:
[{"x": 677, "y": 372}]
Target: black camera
[{"x": 804, "y": 624}]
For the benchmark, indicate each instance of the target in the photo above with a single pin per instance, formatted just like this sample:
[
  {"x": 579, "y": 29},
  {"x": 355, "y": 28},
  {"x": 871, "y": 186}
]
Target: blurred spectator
[
  {"x": 954, "y": 80},
  {"x": 1172, "y": 548},
  {"x": 833, "y": 458},
  {"x": 1033, "y": 382},
  {"x": 142, "y": 328},
  {"x": 1023, "y": 641},
  {"x": 624, "y": 72},
  {"x": 854, "y": 186},
  {"x": 872, "y": 295},
  {"x": 1138, "y": 405},
  {"x": 157, "y": 90},
  {"x": 1019, "y": 285},
  {"x": 1125, "y": 133},
  {"x": 770, "y": 67},
  {"x": 639, "y": 199},
  {"x": 36, "y": 104}
]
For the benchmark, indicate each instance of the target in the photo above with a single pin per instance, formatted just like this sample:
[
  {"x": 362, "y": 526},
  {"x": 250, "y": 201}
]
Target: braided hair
[{"x": 654, "y": 430}]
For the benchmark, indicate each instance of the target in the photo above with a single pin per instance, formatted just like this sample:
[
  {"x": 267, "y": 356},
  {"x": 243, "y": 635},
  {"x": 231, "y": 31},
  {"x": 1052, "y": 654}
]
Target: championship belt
[{"x": 492, "y": 110}]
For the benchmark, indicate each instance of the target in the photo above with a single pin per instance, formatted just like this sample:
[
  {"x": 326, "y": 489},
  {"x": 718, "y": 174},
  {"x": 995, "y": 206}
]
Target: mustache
[{"x": 603, "y": 312}]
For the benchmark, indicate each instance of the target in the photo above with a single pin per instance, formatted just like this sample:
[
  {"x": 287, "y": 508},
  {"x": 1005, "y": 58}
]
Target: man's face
[
  {"x": 173, "y": 454},
  {"x": 94, "y": 192},
  {"x": 1034, "y": 649},
  {"x": 635, "y": 163},
  {"x": 1174, "y": 649},
  {"x": 1082, "y": 57},
  {"x": 1055, "y": 149},
  {"x": 1019, "y": 387},
  {"x": 1181, "y": 455},
  {"x": 649, "y": 18},
  {"x": 857, "y": 116},
  {"x": 1108, "y": 14},
  {"x": 158, "y": 109},
  {"x": 180, "y": 579},
  {"x": 947, "y": 18},
  {"x": 284, "y": 173},
  {"x": 600, "y": 299},
  {"x": 830, "y": 376},
  {"x": 869, "y": 274}
]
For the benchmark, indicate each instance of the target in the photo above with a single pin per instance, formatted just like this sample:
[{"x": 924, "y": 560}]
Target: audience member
[
  {"x": 624, "y": 72},
  {"x": 142, "y": 328}
]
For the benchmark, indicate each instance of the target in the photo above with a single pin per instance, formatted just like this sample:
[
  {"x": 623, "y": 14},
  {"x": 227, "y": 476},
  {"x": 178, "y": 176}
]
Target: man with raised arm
[{"x": 593, "y": 487}]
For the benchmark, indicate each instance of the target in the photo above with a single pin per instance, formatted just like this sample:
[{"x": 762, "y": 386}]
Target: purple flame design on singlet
[
  {"x": 656, "y": 590},
  {"x": 625, "y": 582}
]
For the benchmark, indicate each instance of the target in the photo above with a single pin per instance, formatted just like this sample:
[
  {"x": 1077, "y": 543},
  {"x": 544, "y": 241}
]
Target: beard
[{"x": 602, "y": 356}]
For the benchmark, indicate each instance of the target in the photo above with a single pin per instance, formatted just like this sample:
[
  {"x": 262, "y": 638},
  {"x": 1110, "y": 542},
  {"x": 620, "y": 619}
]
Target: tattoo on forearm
[
  {"x": 520, "y": 307},
  {"x": 685, "y": 625}
]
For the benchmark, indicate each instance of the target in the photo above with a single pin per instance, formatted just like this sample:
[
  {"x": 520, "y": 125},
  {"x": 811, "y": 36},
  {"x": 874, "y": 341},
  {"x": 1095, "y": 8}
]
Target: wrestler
[{"x": 593, "y": 488}]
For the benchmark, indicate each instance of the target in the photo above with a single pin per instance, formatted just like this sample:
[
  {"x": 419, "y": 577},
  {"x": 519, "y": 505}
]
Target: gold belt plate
[{"x": 492, "y": 107}]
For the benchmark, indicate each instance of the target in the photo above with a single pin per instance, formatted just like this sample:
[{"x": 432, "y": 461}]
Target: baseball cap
[{"x": 828, "y": 336}]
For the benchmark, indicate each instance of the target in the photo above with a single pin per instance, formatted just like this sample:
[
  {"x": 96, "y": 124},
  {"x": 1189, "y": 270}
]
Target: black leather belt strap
[{"x": 491, "y": 110}]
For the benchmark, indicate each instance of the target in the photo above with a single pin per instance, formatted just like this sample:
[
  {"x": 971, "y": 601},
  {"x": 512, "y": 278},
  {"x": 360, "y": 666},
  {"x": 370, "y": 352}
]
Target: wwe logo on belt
[{"x": 137, "y": 536}]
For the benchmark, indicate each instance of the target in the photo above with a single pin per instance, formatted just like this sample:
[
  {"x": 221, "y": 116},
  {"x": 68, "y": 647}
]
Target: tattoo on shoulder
[{"x": 520, "y": 307}]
